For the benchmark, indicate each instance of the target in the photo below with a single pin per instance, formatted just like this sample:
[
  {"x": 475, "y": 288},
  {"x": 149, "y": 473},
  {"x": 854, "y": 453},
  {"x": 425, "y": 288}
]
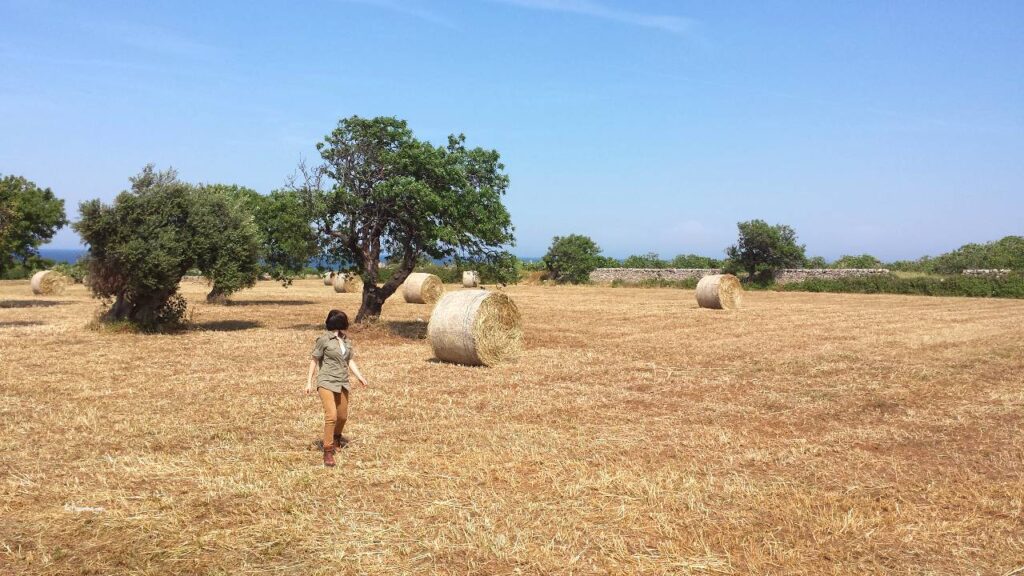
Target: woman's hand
[
  {"x": 309, "y": 388},
  {"x": 363, "y": 383}
]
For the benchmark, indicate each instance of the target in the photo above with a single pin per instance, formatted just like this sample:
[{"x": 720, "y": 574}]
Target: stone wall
[
  {"x": 608, "y": 275},
  {"x": 987, "y": 272},
  {"x": 800, "y": 274}
]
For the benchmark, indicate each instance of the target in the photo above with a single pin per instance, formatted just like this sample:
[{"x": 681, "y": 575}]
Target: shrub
[
  {"x": 649, "y": 260},
  {"x": 695, "y": 261},
  {"x": 861, "y": 261},
  {"x": 572, "y": 258},
  {"x": 1011, "y": 286}
]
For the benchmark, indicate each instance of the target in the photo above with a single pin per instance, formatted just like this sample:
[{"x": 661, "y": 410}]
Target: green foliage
[
  {"x": 695, "y": 261},
  {"x": 1007, "y": 252},
  {"x": 382, "y": 191},
  {"x": 142, "y": 245},
  {"x": 572, "y": 258},
  {"x": 687, "y": 284},
  {"x": 1011, "y": 286},
  {"x": 29, "y": 217},
  {"x": 76, "y": 271},
  {"x": 861, "y": 261},
  {"x": 816, "y": 262},
  {"x": 648, "y": 260},
  {"x": 763, "y": 249}
]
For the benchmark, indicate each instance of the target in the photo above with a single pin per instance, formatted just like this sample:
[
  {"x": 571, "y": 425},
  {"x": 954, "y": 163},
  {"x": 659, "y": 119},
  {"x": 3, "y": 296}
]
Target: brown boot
[{"x": 329, "y": 455}]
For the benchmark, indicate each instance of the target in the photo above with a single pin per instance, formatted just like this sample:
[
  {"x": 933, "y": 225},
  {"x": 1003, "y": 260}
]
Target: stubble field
[{"x": 804, "y": 434}]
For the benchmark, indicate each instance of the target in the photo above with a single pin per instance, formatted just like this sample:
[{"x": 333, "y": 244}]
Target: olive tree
[
  {"x": 763, "y": 249},
  {"x": 380, "y": 192},
  {"x": 142, "y": 245},
  {"x": 29, "y": 217},
  {"x": 572, "y": 258}
]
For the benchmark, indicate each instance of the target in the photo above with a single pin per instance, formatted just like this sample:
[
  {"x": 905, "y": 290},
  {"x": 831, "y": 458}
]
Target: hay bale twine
[
  {"x": 422, "y": 288},
  {"x": 475, "y": 327},
  {"x": 470, "y": 279},
  {"x": 48, "y": 283},
  {"x": 719, "y": 291},
  {"x": 329, "y": 279}
]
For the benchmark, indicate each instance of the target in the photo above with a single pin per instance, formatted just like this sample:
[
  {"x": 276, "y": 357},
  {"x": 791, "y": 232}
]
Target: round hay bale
[
  {"x": 329, "y": 279},
  {"x": 48, "y": 283},
  {"x": 422, "y": 288},
  {"x": 470, "y": 279},
  {"x": 353, "y": 283},
  {"x": 719, "y": 291},
  {"x": 475, "y": 327},
  {"x": 348, "y": 283}
]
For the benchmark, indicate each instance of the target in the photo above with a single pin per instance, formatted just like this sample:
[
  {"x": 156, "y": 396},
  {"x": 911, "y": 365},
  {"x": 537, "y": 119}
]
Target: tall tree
[
  {"x": 143, "y": 244},
  {"x": 762, "y": 250},
  {"x": 572, "y": 258},
  {"x": 380, "y": 192},
  {"x": 29, "y": 217}
]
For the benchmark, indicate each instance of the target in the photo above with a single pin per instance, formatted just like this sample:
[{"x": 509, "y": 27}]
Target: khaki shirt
[{"x": 332, "y": 355}]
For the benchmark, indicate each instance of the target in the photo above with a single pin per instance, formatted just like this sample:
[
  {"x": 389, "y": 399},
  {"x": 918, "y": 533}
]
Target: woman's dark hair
[{"x": 336, "y": 320}]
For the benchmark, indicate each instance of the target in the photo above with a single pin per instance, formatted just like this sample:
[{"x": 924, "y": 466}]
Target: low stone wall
[
  {"x": 800, "y": 274},
  {"x": 609, "y": 275},
  {"x": 987, "y": 272}
]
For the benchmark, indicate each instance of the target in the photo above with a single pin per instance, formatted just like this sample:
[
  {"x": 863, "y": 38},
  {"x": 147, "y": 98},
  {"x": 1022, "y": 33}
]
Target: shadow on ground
[
  {"x": 412, "y": 329},
  {"x": 269, "y": 302},
  {"x": 228, "y": 325},
  {"x": 29, "y": 303},
  {"x": 15, "y": 323}
]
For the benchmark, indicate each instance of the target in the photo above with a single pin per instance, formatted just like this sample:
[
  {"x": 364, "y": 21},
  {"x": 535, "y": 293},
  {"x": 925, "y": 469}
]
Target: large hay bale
[
  {"x": 349, "y": 282},
  {"x": 48, "y": 283},
  {"x": 470, "y": 279},
  {"x": 422, "y": 288},
  {"x": 329, "y": 279},
  {"x": 720, "y": 291},
  {"x": 475, "y": 327}
]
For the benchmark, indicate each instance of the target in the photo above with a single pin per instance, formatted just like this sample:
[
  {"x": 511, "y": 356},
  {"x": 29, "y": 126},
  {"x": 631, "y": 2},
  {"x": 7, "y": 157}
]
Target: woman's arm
[
  {"x": 309, "y": 377},
  {"x": 355, "y": 370}
]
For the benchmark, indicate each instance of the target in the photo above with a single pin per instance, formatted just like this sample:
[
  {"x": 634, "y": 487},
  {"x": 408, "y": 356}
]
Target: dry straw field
[{"x": 638, "y": 434}]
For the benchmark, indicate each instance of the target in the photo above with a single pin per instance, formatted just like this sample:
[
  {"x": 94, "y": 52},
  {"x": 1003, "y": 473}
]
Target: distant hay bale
[
  {"x": 470, "y": 279},
  {"x": 48, "y": 283},
  {"x": 475, "y": 327},
  {"x": 348, "y": 283},
  {"x": 720, "y": 291},
  {"x": 329, "y": 279},
  {"x": 422, "y": 288}
]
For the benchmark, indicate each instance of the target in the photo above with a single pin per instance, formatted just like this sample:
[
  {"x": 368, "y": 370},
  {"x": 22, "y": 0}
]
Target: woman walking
[{"x": 332, "y": 359}]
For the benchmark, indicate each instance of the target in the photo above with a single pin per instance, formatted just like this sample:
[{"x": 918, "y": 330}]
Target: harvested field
[{"x": 803, "y": 434}]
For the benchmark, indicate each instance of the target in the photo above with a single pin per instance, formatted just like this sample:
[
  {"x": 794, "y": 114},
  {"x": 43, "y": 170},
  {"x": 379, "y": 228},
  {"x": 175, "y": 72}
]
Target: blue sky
[{"x": 889, "y": 127}]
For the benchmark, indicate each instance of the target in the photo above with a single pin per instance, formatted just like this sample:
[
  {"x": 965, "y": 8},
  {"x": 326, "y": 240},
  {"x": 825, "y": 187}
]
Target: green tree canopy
[
  {"x": 381, "y": 192},
  {"x": 762, "y": 249},
  {"x": 861, "y": 261},
  {"x": 143, "y": 244},
  {"x": 572, "y": 258},
  {"x": 1005, "y": 253},
  {"x": 648, "y": 260},
  {"x": 29, "y": 217},
  {"x": 695, "y": 261}
]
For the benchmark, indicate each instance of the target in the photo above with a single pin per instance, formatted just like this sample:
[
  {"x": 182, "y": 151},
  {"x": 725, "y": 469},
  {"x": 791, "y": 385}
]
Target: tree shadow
[
  {"x": 410, "y": 329},
  {"x": 319, "y": 327},
  {"x": 15, "y": 323},
  {"x": 269, "y": 302},
  {"x": 228, "y": 325},
  {"x": 29, "y": 303}
]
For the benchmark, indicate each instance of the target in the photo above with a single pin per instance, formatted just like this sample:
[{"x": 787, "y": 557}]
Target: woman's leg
[
  {"x": 330, "y": 414},
  {"x": 341, "y": 409}
]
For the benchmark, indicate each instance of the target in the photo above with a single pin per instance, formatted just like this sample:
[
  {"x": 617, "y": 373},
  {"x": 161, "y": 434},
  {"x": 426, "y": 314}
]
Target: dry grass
[{"x": 804, "y": 434}]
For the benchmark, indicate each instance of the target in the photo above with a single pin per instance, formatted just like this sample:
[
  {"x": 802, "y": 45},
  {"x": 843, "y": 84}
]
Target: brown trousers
[{"x": 335, "y": 412}]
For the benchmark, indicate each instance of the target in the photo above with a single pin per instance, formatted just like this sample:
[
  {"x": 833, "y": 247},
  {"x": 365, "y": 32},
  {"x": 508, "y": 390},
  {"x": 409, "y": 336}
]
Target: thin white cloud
[
  {"x": 664, "y": 22},
  {"x": 153, "y": 39},
  {"x": 408, "y": 9}
]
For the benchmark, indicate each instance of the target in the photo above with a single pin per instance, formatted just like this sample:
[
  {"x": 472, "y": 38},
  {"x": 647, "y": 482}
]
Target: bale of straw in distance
[
  {"x": 329, "y": 279},
  {"x": 720, "y": 291},
  {"x": 48, "y": 283},
  {"x": 475, "y": 327},
  {"x": 422, "y": 288},
  {"x": 353, "y": 283},
  {"x": 470, "y": 279}
]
